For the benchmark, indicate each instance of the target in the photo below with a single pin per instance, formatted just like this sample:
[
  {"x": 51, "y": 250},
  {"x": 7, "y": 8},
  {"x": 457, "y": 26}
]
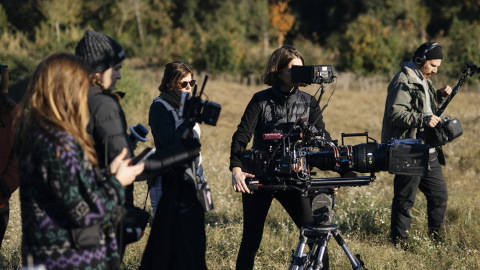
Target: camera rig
[
  {"x": 285, "y": 162},
  {"x": 289, "y": 165},
  {"x": 195, "y": 110}
]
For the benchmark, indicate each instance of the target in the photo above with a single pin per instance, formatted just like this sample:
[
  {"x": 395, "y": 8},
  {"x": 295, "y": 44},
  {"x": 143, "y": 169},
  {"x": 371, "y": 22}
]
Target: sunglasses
[{"x": 184, "y": 84}]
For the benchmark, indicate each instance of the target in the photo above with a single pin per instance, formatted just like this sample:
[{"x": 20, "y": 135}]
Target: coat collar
[
  {"x": 414, "y": 75},
  {"x": 94, "y": 90},
  {"x": 277, "y": 93}
]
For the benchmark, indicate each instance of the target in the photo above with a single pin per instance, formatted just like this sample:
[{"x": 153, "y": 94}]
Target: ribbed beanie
[
  {"x": 99, "y": 51},
  {"x": 435, "y": 53}
]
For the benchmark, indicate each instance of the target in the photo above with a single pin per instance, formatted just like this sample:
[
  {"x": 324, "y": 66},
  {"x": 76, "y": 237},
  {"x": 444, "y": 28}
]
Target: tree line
[{"x": 237, "y": 36}]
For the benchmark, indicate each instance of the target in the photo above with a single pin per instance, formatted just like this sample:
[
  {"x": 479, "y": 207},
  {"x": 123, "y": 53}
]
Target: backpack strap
[{"x": 173, "y": 111}]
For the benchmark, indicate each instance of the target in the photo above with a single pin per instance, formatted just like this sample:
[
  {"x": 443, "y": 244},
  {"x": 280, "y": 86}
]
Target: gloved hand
[{"x": 192, "y": 146}]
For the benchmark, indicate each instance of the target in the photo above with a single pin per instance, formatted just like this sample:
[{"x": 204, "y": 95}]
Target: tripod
[
  {"x": 323, "y": 192},
  {"x": 318, "y": 237}
]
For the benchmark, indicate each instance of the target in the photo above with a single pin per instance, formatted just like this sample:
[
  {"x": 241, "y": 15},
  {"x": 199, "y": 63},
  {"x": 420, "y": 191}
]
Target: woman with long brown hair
[{"x": 67, "y": 211}]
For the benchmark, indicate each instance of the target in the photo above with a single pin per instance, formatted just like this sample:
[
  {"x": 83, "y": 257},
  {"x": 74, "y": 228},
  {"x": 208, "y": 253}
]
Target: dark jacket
[
  {"x": 272, "y": 110},
  {"x": 108, "y": 129},
  {"x": 404, "y": 116},
  {"x": 8, "y": 165},
  {"x": 107, "y": 126},
  {"x": 167, "y": 128}
]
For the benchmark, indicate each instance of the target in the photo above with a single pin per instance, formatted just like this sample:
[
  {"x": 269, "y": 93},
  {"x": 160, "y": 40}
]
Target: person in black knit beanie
[{"x": 107, "y": 126}]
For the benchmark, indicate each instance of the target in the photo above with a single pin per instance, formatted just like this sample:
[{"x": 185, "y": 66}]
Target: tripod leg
[
  {"x": 323, "y": 246},
  {"x": 297, "y": 257},
  {"x": 355, "y": 264}
]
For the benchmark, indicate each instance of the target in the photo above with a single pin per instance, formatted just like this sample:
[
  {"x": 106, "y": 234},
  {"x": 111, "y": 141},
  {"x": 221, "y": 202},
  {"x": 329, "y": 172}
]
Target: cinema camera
[
  {"x": 195, "y": 110},
  {"x": 289, "y": 164}
]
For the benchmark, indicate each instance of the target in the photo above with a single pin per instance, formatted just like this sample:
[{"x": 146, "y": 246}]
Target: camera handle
[
  {"x": 456, "y": 88},
  {"x": 313, "y": 183},
  {"x": 322, "y": 88},
  {"x": 344, "y": 135}
]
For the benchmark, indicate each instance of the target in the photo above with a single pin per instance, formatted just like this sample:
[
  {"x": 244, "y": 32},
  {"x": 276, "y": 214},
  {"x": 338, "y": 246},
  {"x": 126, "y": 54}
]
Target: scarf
[{"x": 171, "y": 97}]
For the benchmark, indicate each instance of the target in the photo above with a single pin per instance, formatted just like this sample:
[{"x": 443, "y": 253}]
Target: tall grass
[{"x": 362, "y": 213}]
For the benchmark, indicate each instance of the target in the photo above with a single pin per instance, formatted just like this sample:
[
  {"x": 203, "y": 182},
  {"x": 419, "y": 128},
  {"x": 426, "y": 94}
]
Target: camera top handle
[{"x": 357, "y": 135}]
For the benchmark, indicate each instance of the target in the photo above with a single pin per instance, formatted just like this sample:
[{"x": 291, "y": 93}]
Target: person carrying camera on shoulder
[
  {"x": 410, "y": 108},
  {"x": 272, "y": 110},
  {"x": 177, "y": 239},
  {"x": 167, "y": 126}
]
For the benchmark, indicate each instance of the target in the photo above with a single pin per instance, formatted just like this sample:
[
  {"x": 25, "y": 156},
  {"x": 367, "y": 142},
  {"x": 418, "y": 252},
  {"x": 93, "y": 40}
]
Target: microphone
[{"x": 138, "y": 133}]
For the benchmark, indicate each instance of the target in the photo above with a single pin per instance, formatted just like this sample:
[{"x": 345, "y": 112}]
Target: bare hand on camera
[
  {"x": 124, "y": 173},
  {"x": 433, "y": 120},
  {"x": 238, "y": 180}
]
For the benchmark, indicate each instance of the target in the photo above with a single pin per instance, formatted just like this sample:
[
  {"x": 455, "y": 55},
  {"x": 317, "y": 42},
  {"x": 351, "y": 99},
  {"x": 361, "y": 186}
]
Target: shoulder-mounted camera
[{"x": 194, "y": 109}]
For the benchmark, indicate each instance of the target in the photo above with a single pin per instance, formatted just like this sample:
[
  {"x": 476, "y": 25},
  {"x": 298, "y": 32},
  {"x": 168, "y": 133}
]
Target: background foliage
[{"x": 236, "y": 37}]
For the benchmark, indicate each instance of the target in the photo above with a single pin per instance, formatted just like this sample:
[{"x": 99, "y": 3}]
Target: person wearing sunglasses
[
  {"x": 177, "y": 239},
  {"x": 167, "y": 127}
]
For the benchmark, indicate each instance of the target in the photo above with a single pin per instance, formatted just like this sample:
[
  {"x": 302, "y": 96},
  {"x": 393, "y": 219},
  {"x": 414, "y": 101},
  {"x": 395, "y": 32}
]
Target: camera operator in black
[
  {"x": 410, "y": 107},
  {"x": 275, "y": 109}
]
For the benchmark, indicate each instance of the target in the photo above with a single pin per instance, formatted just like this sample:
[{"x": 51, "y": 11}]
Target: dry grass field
[{"x": 362, "y": 213}]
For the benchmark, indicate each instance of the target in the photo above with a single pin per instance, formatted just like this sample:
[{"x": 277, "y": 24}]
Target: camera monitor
[{"x": 313, "y": 74}]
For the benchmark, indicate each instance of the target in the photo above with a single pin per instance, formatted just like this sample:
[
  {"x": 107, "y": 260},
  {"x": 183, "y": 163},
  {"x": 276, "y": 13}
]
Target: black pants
[
  {"x": 177, "y": 239},
  {"x": 255, "y": 209},
  {"x": 405, "y": 191},
  {"x": 4, "y": 215}
]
